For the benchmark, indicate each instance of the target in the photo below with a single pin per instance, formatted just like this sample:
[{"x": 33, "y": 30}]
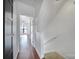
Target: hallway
[
  {"x": 35, "y": 29},
  {"x": 26, "y": 49}
]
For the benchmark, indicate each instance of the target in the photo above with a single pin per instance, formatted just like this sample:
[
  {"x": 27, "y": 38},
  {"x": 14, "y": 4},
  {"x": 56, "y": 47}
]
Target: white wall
[
  {"x": 58, "y": 31},
  {"x": 49, "y": 10},
  {"x": 16, "y": 32}
]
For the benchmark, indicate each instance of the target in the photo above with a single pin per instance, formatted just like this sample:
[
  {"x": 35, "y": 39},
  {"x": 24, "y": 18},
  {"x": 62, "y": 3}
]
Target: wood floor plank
[{"x": 27, "y": 51}]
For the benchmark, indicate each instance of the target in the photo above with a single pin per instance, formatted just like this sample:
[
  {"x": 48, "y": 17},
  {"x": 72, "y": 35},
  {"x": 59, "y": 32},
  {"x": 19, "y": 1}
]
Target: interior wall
[
  {"x": 16, "y": 32},
  {"x": 58, "y": 34},
  {"x": 48, "y": 11}
]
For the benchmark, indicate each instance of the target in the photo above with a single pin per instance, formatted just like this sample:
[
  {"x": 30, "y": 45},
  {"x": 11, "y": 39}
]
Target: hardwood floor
[{"x": 27, "y": 51}]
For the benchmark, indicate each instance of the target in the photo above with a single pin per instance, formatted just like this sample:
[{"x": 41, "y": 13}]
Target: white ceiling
[
  {"x": 24, "y": 9},
  {"x": 27, "y": 7},
  {"x": 31, "y": 2}
]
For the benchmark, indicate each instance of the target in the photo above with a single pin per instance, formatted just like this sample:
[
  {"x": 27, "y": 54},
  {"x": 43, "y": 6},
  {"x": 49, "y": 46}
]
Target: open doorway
[
  {"x": 26, "y": 28},
  {"x": 26, "y": 32}
]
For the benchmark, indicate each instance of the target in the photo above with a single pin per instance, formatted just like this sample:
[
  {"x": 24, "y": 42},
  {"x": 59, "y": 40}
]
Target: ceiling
[
  {"x": 31, "y": 2},
  {"x": 27, "y": 7}
]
